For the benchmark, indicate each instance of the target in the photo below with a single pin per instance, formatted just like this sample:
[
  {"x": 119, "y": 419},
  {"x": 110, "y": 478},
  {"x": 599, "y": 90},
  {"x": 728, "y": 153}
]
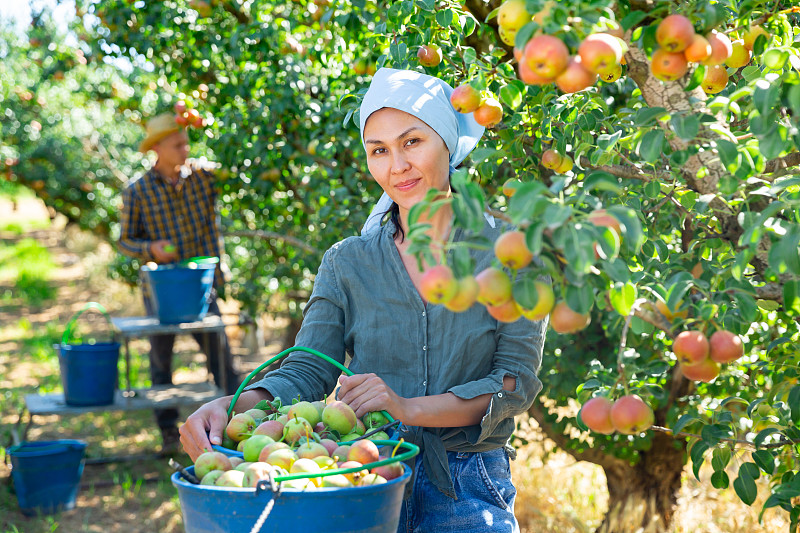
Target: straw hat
[{"x": 158, "y": 127}]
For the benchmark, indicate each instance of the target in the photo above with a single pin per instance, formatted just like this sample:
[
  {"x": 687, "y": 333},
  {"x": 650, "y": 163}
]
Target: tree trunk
[{"x": 641, "y": 498}]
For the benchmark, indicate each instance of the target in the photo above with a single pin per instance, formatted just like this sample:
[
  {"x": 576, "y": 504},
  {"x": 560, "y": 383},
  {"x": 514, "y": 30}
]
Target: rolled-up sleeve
[
  {"x": 519, "y": 355},
  {"x": 302, "y": 374},
  {"x": 132, "y": 239}
]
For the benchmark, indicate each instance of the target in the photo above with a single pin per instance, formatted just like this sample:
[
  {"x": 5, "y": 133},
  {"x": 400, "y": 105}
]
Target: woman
[{"x": 455, "y": 380}]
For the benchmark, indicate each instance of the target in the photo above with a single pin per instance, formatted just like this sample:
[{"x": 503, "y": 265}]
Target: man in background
[{"x": 169, "y": 214}]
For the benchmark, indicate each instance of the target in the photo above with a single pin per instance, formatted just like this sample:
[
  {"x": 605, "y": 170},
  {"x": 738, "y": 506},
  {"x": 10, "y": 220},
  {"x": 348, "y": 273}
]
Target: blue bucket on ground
[
  {"x": 88, "y": 371},
  {"x": 47, "y": 475},
  {"x": 180, "y": 293},
  {"x": 371, "y": 509}
]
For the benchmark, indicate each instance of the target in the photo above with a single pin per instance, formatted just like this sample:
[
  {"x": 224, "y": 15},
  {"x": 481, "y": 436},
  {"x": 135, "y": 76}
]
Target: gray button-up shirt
[{"x": 364, "y": 304}]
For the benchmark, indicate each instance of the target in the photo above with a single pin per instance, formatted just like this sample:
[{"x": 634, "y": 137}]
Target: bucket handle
[{"x": 71, "y": 324}]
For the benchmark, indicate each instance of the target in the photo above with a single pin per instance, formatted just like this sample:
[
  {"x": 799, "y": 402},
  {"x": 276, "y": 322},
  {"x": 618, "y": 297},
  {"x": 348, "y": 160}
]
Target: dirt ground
[{"x": 555, "y": 493}]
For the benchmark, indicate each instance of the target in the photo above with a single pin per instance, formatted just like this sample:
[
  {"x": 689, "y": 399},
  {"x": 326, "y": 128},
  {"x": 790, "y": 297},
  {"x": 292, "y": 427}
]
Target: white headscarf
[{"x": 428, "y": 99}]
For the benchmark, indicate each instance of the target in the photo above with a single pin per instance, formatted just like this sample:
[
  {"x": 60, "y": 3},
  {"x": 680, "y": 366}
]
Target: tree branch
[
  {"x": 591, "y": 455},
  {"x": 624, "y": 171},
  {"x": 228, "y": 5},
  {"x": 267, "y": 235},
  {"x": 779, "y": 163}
]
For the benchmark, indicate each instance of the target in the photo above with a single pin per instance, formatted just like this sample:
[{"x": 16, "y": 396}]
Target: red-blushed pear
[
  {"x": 364, "y": 451},
  {"x": 706, "y": 370},
  {"x": 721, "y": 48},
  {"x": 236, "y": 461},
  {"x": 255, "y": 472},
  {"x": 336, "y": 481},
  {"x": 602, "y": 218},
  {"x": 513, "y": 15},
  {"x": 725, "y": 346},
  {"x": 208, "y": 461},
  {"x": 389, "y": 471},
  {"x": 360, "y": 67},
  {"x": 380, "y": 435},
  {"x": 466, "y": 295},
  {"x": 526, "y": 75},
  {"x": 614, "y": 29},
  {"x": 564, "y": 320},
  {"x": 309, "y": 450},
  {"x": 211, "y": 478},
  {"x": 631, "y": 415},
  {"x": 507, "y": 312},
  {"x": 269, "y": 448},
  {"x": 575, "y": 77},
  {"x": 668, "y": 66},
  {"x": 596, "y": 414},
  {"x": 495, "y": 287},
  {"x": 202, "y": 7},
  {"x": 282, "y": 457},
  {"x": 240, "y": 444},
  {"x": 508, "y": 36},
  {"x": 319, "y": 427},
  {"x": 180, "y": 107},
  {"x": 325, "y": 462},
  {"x": 193, "y": 115},
  {"x": 511, "y": 250},
  {"x": 565, "y": 165},
  {"x": 371, "y": 479},
  {"x": 547, "y": 56},
  {"x": 438, "y": 284},
  {"x": 356, "y": 476},
  {"x": 518, "y": 54},
  {"x": 339, "y": 417},
  {"x": 181, "y": 120},
  {"x": 600, "y": 53},
  {"x": 752, "y": 34},
  {"x": 699, "y": 49},
  {"x": 360, "y": 427},
  {"x": 551, "y": 159},
  {"x": 429, "y": 55},
  {"x": 740, "y": 56},
  {"x": 305, "y": 410},
  {"x": 307, "y": 466},
  {"x": 690, "y": 347},
  {"x": 465, "y": 98},
  {"x": 241, "y": 467},
  {"x": 330, "y": 445},
  {"x": 231, "y": 478},
  {"x": 612, "y": 75},
  {"x": 240, "y": 426},
  {"x": 489, "y": 113},
  {"x": 543, "y": 305},
  {"x": 675, "y": 33},
  {"x": 341, "y": 452},
  {"x": 715, "y": 79},
  {"x": 510, "y": 186},
  {"x": 252, "y": 447},
  {"x": 257, "y": 414},
  {"x": 296, "y": 428}
]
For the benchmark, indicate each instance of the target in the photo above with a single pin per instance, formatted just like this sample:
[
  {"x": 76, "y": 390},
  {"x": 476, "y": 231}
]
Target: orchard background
[{"x": 700, "y": 182}]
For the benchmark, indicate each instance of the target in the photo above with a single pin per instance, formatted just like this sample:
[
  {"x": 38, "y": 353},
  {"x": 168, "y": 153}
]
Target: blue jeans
[{"x": 485, "y": 494}]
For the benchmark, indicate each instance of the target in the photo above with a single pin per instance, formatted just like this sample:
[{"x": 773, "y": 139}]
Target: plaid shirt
[{"x": 184, "y": 214}]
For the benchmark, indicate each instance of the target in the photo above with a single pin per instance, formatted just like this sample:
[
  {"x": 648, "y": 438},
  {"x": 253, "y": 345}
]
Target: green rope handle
[
  {"x": 284, "y": 353},
  {"x": 71, "y": 324},
  {"x": 413, "y": 450}
]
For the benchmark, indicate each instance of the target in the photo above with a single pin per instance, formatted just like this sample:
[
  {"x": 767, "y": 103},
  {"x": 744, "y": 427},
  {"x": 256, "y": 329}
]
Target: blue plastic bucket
[
  {"x": 371, "y": 509},
  {"x": 180, "y": 293},
  {"x": 89, "y": 372},
  {"x": 47, "y": 475}
]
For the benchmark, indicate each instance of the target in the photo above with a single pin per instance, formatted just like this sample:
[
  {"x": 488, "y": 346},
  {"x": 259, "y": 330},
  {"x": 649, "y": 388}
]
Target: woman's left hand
[{"x": 368, "y": 392}]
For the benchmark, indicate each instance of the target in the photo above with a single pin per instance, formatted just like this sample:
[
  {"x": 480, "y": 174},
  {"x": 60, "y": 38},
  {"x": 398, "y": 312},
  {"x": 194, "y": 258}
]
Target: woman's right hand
[{"x": 205, "y": 427}]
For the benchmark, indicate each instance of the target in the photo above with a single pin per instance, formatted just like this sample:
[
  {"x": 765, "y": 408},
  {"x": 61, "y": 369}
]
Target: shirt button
[
  {"x": 499, "y": 394},
  {"x": 423, "y": 313},
  {"x": 425, "y": 382},
  {"x": 424, "y": 348}
]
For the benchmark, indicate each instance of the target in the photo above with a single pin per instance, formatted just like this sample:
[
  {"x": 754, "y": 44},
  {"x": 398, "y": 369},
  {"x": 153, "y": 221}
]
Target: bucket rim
[
  {"x": 45, "y": 447},
  {"x": 179, "y": 267},
  {"x": 93, "y": 346},
  {"x": 179, "y": 482}
]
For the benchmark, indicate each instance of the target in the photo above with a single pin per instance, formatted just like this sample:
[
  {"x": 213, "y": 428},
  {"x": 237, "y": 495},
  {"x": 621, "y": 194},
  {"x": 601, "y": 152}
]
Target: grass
[{"x": 27, "y": 266}]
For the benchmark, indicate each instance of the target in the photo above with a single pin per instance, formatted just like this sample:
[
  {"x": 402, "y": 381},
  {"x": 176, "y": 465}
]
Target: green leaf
[
  {"x": 765, "y": 460},
  {"x": 728, "y": 154},
  {"x": 556, "y": 214},
  {"x": 745, "y": 486},
  {"x": 632, "y": 19},
  {"x": 602, "y": 181},
  {"x": 752, "y": 470},
  {"x": 462, "y": 262},
  {"x": 682, "y": 422},
  {"x": 794, "y": 404},
  {"x": 720, "y": 458},
  {"x": 720, "y": 480},
  {"x": 617, "y": 270},
  {"x": 696, "y": 79},
  {"x": 580, "y": 299},
  {"x": 697, "y": 452},
  {"x": 763, "y": 434},
  {"x": 607, "y": 141},
  {"x": 652, "y": 145},
  {"x": 511, "y": 96},
  {"x": 646, "y": 115},
  {"x": 686, "y": 126},
  {"x": 534, "y": 237},
  {"x": 525, "y": 293},
  {"x": 783, "y": 256},
  {"x": 791, "y": 297},
  {"x": 622, "y": 297},
  {"x": 765, "y": 96}
]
